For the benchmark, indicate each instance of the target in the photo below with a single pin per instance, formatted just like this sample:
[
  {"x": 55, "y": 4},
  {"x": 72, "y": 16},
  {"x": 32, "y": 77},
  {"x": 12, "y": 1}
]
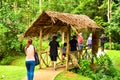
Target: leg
[
  {"x": 54, "y": 60},
  {"x": 28, "y": 69},
  {"x": 32, "y": 70}
]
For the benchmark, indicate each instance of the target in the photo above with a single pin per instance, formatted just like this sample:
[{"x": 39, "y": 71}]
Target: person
[
  {"x": 30, "y": 60},
  {"x": 80, "y": 41},
  {"x": 73, "y": 49},
  {"x": 73, "y": 44},
  {"x": 64, "y": 51},
  {"x": 89, "y": 41},
  {"x": 53, "y": 48},
  {"x": 102, "y": 41}
]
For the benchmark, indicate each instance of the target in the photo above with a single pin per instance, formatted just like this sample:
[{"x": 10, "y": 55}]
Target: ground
[{"x": 47, "y": 73}]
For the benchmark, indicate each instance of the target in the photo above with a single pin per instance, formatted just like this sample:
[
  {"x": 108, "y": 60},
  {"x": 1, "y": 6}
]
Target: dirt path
[{"x": 47, "y": 73}]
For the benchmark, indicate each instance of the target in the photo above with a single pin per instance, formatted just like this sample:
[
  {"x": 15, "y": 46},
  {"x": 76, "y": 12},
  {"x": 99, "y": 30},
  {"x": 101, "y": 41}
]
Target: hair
[
  {"x": 29, "y": 43},
  {"x": 54, "y": 38},
  {"x": 74, "y": 37},
  {"x": 65, "y": 44}
]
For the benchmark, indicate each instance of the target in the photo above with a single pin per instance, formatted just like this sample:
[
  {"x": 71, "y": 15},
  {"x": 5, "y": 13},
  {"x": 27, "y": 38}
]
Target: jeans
[
  {"x": 102, "y": 46},
  {"x": 90, "y": 46},
  {"x": 80, "y": 46},
  {"x": 30, "y": 65}
]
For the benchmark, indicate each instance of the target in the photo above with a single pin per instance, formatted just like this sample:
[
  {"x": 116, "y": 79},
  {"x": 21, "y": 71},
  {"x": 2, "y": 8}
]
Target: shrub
[
  {"x": 104, "y": 70},
  {"x": 6, "y": 61},
  {"x": 115, "y": 46}
]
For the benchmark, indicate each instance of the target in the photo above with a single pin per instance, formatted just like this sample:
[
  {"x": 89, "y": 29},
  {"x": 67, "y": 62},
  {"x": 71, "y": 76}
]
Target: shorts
[{"x": 53, "y": 58}]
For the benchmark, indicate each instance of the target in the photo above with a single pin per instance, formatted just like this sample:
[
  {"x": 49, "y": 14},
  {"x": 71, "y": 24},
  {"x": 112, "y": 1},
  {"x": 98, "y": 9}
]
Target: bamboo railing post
[
  {"x": 63, "y": 37},
  {"x": 63, "y": 40},
  {"x": 40, "y": 52},
  {"x": 68, "y": 48}
]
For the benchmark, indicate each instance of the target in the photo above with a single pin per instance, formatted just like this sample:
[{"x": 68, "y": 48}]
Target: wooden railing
[
  {"x": 45, "y": 60},
  {"x": 85, "y": 54}
]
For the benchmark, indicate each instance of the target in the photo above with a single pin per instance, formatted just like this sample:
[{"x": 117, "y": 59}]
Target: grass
[
  {"x": 115, "y": 57},
  {"x": 66, "y": 75},
  {"x": 12, "y": 72},
  {"x": 17, "y": 69}
]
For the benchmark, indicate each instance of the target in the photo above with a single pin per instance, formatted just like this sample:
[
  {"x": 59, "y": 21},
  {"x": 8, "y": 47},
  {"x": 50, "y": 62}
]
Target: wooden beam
[
  {"x": 40, "y": 52},
  {"x": 63, "y": 37},
  {"x": 68, "y": 48}
]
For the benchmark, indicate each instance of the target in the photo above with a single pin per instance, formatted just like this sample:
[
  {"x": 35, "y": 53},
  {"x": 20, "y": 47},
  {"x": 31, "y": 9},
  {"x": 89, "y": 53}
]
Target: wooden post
[
  {"x": 40, "y": 52},
  {"x": 95, "y": 41},
  {"x": 63, "y": 37},
  {"x": 68, "y": 48}
]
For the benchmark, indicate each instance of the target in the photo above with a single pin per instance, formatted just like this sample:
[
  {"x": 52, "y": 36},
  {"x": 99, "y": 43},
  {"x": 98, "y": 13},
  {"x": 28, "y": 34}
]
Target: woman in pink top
[
  {"x": 80, "y": 41},
  {"x": 30, "y": 60}
]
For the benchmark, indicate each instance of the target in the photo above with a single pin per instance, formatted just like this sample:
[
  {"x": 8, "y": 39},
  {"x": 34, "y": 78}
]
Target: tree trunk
[
  {"x": 95, "y": 42},
  {"x": 40, "y": 5},
  {"x": 28, "y": 15},
  {"x": 109, "y": 15}
]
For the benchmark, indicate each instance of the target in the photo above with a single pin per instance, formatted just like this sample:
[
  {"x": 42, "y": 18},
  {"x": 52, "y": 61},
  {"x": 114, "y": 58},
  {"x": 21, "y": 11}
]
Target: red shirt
[{"x": 80, "y": 39}]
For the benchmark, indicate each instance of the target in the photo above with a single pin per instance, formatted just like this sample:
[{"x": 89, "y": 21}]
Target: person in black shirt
[
  {"x": 53, "y": 46},
  {"x": 102, "y": 41},
  {"x": 73, "y": 47},
  {"x": 73, "y": 44}
]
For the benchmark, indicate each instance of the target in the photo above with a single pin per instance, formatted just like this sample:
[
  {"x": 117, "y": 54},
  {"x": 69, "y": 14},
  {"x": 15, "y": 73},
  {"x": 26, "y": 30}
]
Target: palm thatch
[{"x": 52, "y": 22}]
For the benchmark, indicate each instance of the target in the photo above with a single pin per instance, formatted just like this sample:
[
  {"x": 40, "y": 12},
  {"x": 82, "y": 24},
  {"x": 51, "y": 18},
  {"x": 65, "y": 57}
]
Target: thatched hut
[{"x": 50, "y": 22}]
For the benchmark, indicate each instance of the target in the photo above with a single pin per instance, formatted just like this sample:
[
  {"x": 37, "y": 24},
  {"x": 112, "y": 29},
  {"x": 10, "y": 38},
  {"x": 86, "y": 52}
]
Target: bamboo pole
[
  {"x": 68, "y": 48},
  {"x": 40, "y": 53},
  {"x": 63, "y": 37}
]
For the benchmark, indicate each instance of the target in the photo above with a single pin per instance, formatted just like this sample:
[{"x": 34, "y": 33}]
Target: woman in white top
[{"x": 30, "y": 60}]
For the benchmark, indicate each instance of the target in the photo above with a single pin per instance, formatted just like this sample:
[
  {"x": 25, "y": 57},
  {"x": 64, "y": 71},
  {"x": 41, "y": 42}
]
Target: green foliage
[
  {"x": 103, "y": 69},
  {"x": 85, "y": 68},
  {"x": 13, "y": 22},
  {"x": 92, "y": 8},
  {"x": 60, "y": 5},
  {"x": 100, "y": 21},
  {"x": 114, "y": 26},
  {"x": 115, "y": 46},
  {"x": 6, "y": 61}
]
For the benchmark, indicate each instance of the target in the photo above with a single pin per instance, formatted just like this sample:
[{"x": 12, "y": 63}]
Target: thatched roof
[{"x": 52, "y": 22}]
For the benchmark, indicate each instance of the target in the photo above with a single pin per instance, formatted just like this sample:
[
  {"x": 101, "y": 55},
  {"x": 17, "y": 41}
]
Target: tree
[
  {"x": 13, "y": 22},
  {"x": 114, "y": 27},
  {"x": 60, "y": 5}
]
